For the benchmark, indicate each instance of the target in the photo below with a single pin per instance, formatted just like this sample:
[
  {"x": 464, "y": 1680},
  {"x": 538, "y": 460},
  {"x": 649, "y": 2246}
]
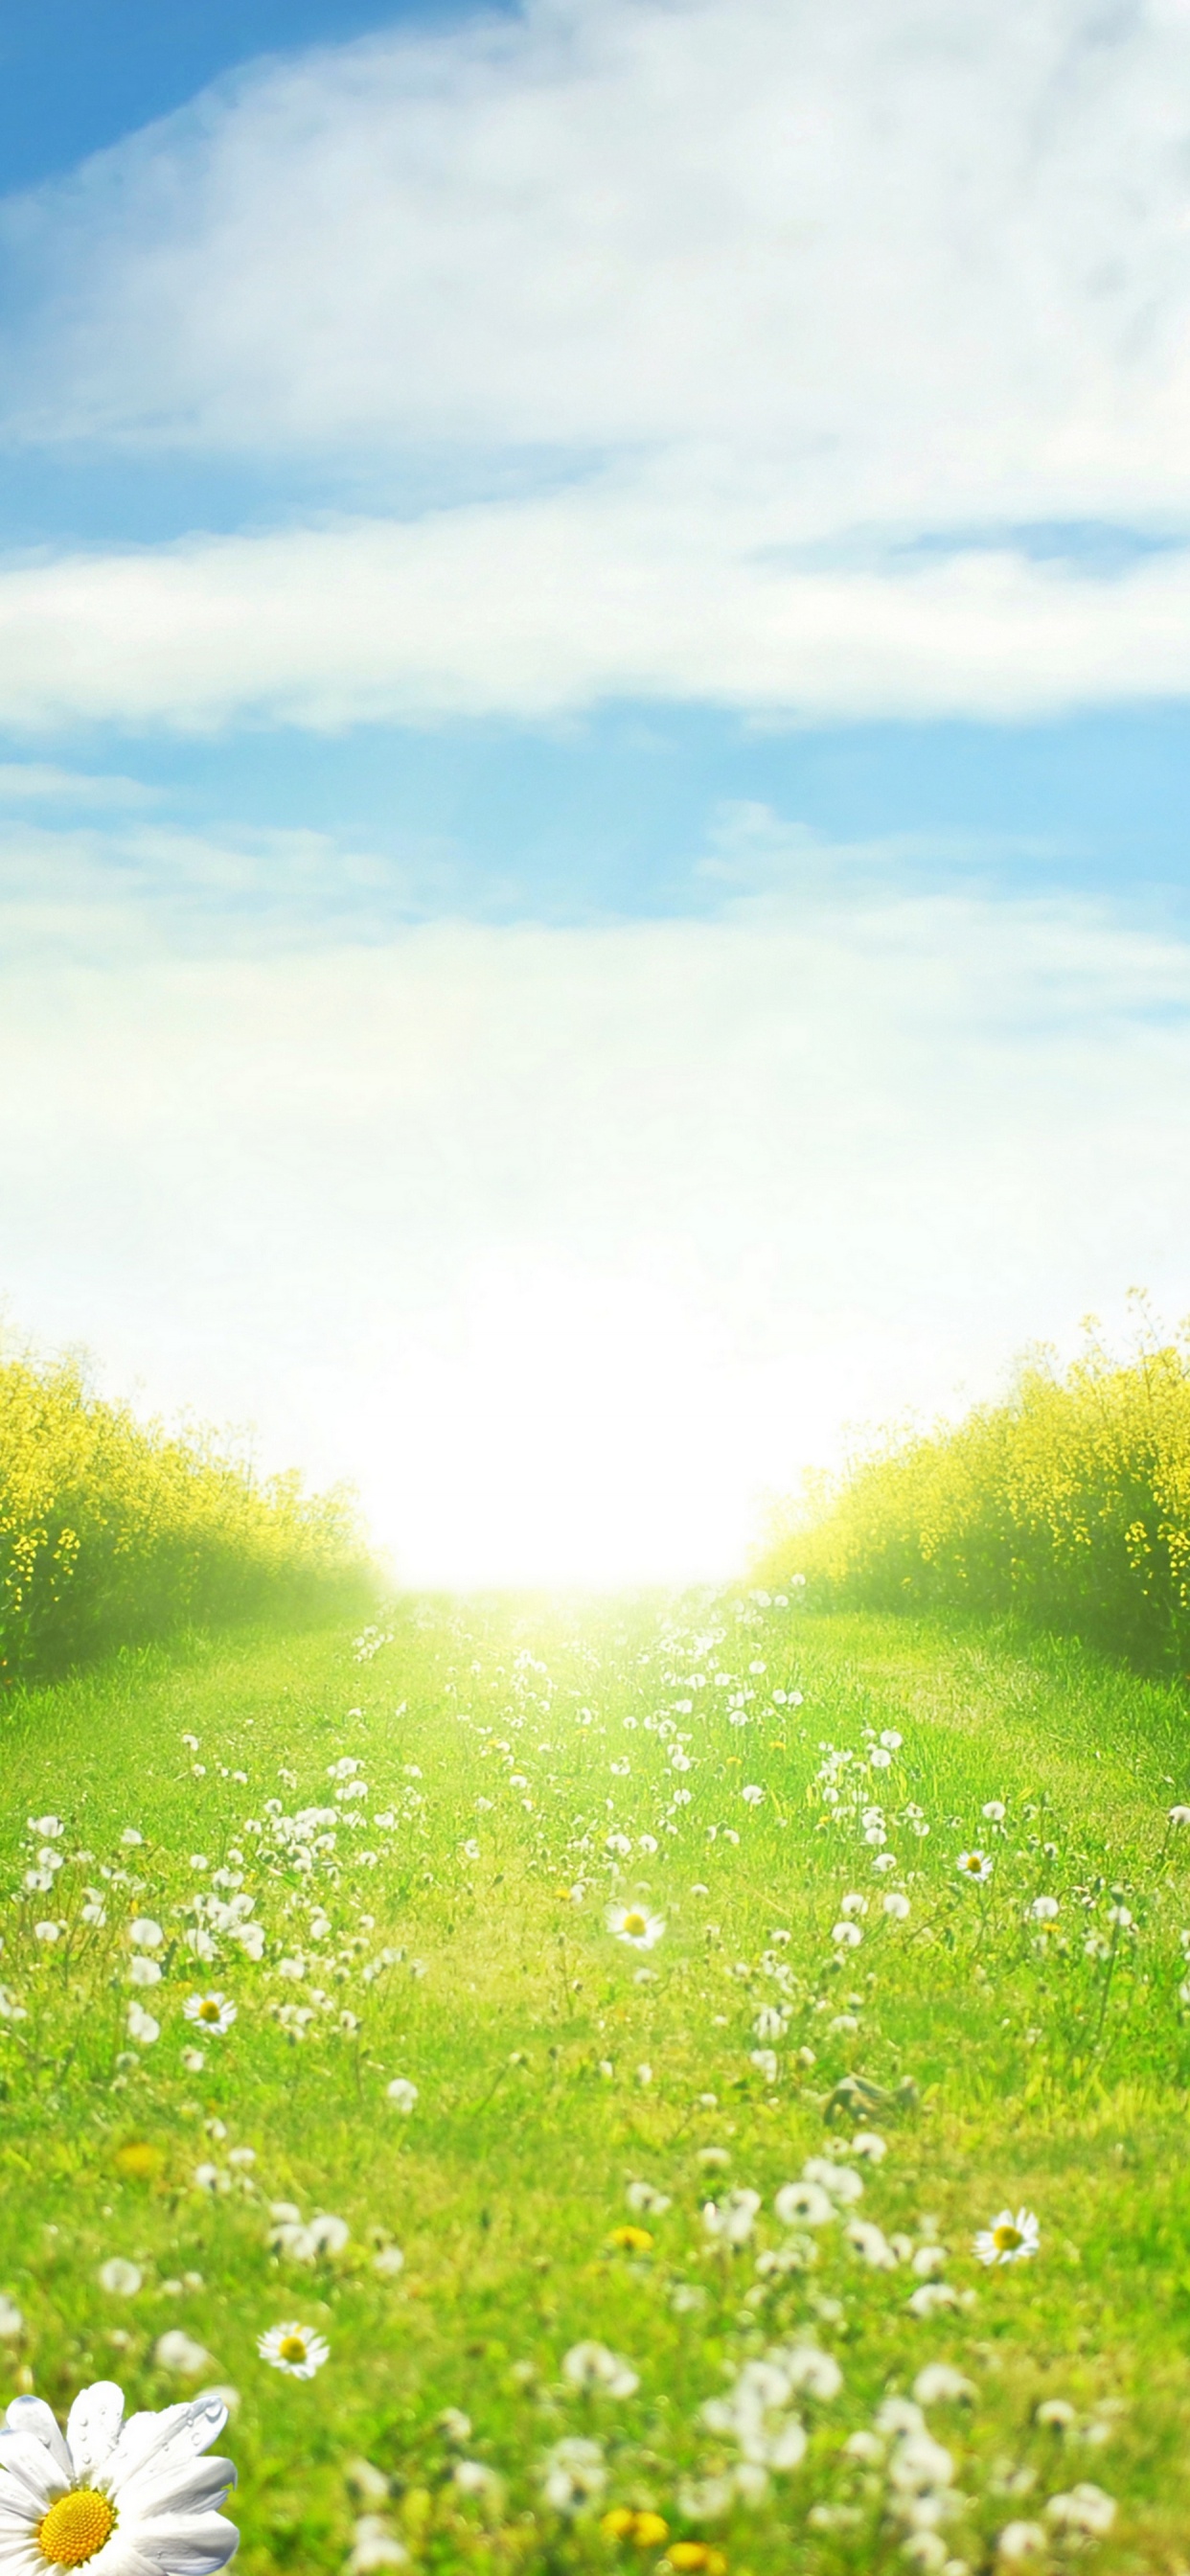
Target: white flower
[
  {"x": 853, "y": 1904},
  {"x": 1086, "y": 2513},
  {"x": 131, "y": 1838},
  {"x": 846, "y": 1936},
  {"x": 112, "y": 2497},
  {"x": 803, "y": 2204},
  {"x": 1021, "y": 2540},
  {"x": 642, "y": 2196},
  {"x": 122, "y": 2279},
  {"x": 630, "y": 1923},
  {"x": 865, "y": 2238},
  {"x": 214, "y": 2012},
  {"x": 733, "y": 2218},
  {"x": 1043, "y": 1909},
  {"x": 755, "y": 2414},
  {"x": 144, "y": 1972},
  {"x": 769, "y": 2023},
  {"x": 932, "y": 2296},
  {"x": 12, "y": 2323},
  {"x": 811, "y": 2372},
  {"x": 292, "y": 2348},
  {"x": 765, "y": 2062},
  {"x": 402, "y": 2094},
  {"x": 591, "y": 2366},
  {"x": 994, "y": 1811},
  {"x": 388, "y": 2262},
  {"x": 1179, "y": 1815},
  {"x": 47, "y": 1931},
  {"x": 1008, "y": 2239},
  {"x": 752, "y": 1795},
  {"x": 328, "y": 2235},
  {"x": 974, "y": 1864},
  {"x": 47, "y": 1828},
  {"x": 144, "y": 1934},
  {"x": 895, "y": 1906},
  {"x": 374, "y": 2545},
  {"x": 870, "y": 2146},
  {"x": 573, "y": 2474},
  {"x": 178, "y": 2352},
  {"x": 141, "y": 2026},
  {"x": 939, "y": 2385},
  {"x": 890, "y": 1739},
  {"x": 840, "y": 2182},
  {"x": 194, "y": 2060}
]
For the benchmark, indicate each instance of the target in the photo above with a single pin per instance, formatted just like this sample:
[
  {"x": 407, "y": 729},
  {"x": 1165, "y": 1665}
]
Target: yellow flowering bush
[
  {"x": 1069, "y": 1502},
  {"x": 113, "y": 1531}
]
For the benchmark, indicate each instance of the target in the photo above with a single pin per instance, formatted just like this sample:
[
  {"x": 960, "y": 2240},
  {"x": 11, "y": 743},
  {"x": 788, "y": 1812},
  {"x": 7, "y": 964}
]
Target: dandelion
[
  {"x": 870, "y": 2146},
  {"x": 1179, "y": 1815},
  {"x": 122, "y": 2280},
  {"x": 144, "y": 1934},
  {"x": 731, "y": 2220},
  {"x": 12, "y": 2323},
  {"x": 939, "y": 2385},
  {"x": 591, "y": 2366},
  {"x": 630, "y": 2240},
  {"x": 142, "y": 2027},
  {"x": 1085, "y": 2514},
  {"x": 853, "y": 1904},
  {"x": 1020, "y": 2541},
  {"x": 214, "y": 2012},
  {"x": 48, "y": 1932},
  {"x": 994, "y": 1811},
  {"x": 144, "y": 1972},
  {"x": 388, "y": 2262},
  {"x": 895, "y": 1906},
  {"x": 974, "y": 1864},
  {"x": 846, "y": 1936},
  {"x": 402, "y": 2094},
  {"x": 194, "y": 2060},
  {"x": 1043, "y": 1909},
  {"x": 752, "y": 1795},
  {"x": 178, "y": 2352},
  {"x": 65, "y": 2497},
  {"x": 840, "y": 2182},
  {"x": 1007, "y": 2239},
  {"x": 643, "y": 2197},
  {"x": 573, "y": 2474},
  {"x": 293, "y": 2349},
  {"x": 631, "y": 1924},
  {"x": 804, "y": 2204},
  {"x": 131, "y": 1838}
]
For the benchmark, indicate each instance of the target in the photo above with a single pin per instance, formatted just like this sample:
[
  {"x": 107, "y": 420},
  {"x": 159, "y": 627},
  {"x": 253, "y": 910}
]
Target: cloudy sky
[{"x": 594, "y": 659}]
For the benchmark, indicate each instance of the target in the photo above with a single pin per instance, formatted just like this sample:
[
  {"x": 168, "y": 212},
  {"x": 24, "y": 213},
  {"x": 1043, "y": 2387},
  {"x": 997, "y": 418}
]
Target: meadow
[{"x": 654, "y": 2085}]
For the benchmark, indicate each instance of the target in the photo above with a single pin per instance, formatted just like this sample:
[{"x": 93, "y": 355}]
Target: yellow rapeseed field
[
  {"x": 113, "y": 1531},
  {"x": 1069, "y": 1503}
]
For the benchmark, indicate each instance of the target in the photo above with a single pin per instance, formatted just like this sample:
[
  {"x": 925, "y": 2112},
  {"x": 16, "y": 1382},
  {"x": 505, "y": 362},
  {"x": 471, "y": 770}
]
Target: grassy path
[{"x": 397, "y": 1865}]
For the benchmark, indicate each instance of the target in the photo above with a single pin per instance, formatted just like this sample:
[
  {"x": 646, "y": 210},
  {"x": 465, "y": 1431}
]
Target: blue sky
[{"x": 515, "y": 526}]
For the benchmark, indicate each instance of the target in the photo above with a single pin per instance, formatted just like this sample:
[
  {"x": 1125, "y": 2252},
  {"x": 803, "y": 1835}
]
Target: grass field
[{"x": 570, "y": 2322}]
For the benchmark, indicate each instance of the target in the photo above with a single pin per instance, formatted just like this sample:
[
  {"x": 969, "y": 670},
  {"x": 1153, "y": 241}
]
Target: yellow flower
[
  {"x": 138, "y": 2161},
  {"x": 688, "y": 2555},
  {"x": 644, "y": 2530},
  {"x": 617, "y": 2525},
  {"x": 631, "y": 2240}
]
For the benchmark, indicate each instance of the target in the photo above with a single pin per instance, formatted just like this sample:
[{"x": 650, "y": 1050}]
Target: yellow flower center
[
  {"x": 75, "y": 2527},
  {"x": 1006, "y": 2239},
  {"x": 635, "y": 1924},
  {"x": 292, "y": 2348},
  {"x": 209, "y": 2011}
]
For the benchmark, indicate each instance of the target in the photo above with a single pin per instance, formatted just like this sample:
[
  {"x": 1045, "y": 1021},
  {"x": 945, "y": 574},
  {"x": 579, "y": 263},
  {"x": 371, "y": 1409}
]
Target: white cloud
[
  {"x": 718, "y": 305},
  {"x": 540, "y": 609},
  {"x": 570, "y": 1242}
]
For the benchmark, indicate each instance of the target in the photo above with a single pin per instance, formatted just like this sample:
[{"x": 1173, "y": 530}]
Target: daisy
[
  {"x": 974, "y": 1864},
  {"x": 215, "y": 2012},
  {"x": 1009, "y": 2239},
  {"x": 640, "y": 1930},
  {"x": 111, "y": 2496},
  {"x": 294, "y": 2349}
]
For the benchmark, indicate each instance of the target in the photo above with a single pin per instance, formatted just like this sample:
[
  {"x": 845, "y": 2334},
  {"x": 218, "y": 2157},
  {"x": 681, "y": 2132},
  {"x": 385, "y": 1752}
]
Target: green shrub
[
  {"x": 113, "y": 1531},
  {"x": 1069, "y": 1503}
]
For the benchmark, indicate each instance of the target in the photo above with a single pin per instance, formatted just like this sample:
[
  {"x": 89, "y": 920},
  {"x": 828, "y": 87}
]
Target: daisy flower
[
  {"x": 974, "y": 1864},
  {"x": 640, "y": 1930},
  {"x": 214, "y": 2012},
  {"x": 1009, "y": 2239},
  {"x": 112, "y": 2496},
  {"x": 293, "y": 2348}
]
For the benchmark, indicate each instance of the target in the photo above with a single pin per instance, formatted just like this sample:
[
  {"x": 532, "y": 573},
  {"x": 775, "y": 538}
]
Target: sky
[{"x": 594, "y": 734}]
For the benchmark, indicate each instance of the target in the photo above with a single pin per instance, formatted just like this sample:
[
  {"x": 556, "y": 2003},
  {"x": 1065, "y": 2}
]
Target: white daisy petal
[
  {"x": 31, "y": 2416},
  {"x": 196, "y": 2486},
  {"x": 93, "y": 2428},
  {"x": 196, "y": 2547}
]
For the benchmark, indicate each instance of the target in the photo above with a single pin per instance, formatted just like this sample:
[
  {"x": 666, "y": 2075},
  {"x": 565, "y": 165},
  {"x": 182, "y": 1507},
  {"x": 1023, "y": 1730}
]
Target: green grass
[{"x": 1041, "y": 2076}]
